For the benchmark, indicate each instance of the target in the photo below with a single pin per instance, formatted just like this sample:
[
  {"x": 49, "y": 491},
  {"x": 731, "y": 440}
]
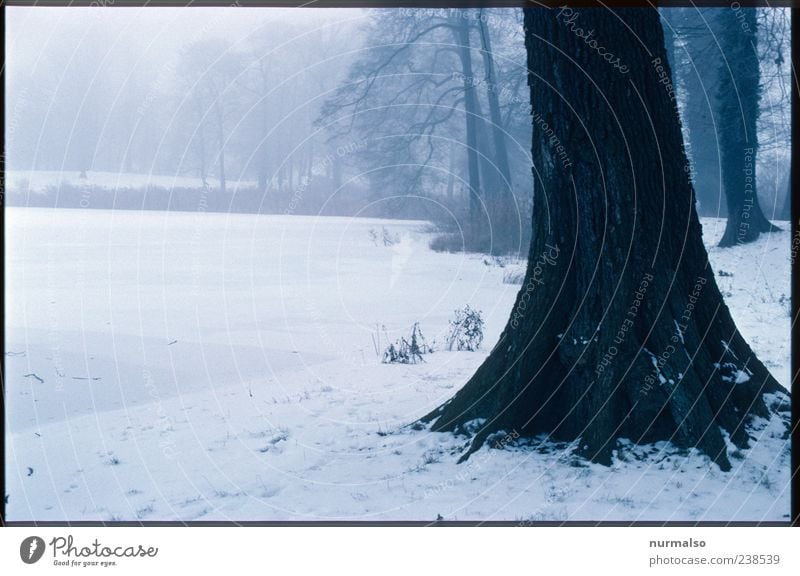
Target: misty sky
[
  {"x": 76, "y": 76},
  {"x": 118, "y": 90},
  {"x": 151, "y": 33}
]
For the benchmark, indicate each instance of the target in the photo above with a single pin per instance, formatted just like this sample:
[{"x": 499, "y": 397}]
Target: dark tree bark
[
  {"x": 738, "y": 105},
  {"x": 619, "y": 329}
]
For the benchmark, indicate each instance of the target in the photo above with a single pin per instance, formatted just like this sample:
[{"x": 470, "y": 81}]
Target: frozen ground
[{"x": 164, "y": 366}]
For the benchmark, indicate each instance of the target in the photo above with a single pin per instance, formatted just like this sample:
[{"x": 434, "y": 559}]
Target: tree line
[{"x": 408, "y": 113}]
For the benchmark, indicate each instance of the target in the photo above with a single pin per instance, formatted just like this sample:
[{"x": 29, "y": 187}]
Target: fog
[
  {"x": 329, "y": 111},
  {"x": 128, "y": 90}
]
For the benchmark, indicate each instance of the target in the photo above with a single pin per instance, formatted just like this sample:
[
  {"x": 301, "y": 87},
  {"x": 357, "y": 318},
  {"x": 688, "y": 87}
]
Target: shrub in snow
[
  {"x": 389, "y": 239},
  {"x": 386, "y": 237},
  {"x": 408, "y": 351},
  {"x": 466, "y": 330},
  {"x": 514, "y": 276},
  {"x": 449, "y": 242}
]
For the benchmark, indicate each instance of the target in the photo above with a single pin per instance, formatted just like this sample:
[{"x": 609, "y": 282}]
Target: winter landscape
[
  {"x": 407, "y": 264},
  {"x": 215, "y": 366}
]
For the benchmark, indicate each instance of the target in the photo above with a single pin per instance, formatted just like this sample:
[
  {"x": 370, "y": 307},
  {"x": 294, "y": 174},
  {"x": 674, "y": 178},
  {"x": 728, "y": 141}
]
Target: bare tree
[
  {"x": 208, "y": 73},
  {"x": 419, "y": 87}
]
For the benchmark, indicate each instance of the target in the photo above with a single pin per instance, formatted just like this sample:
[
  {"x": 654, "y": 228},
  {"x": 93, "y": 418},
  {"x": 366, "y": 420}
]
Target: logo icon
[{"x": 31, "y": 550}]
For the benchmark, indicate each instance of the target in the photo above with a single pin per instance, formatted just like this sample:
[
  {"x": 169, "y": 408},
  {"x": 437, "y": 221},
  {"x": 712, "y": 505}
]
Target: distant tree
[
  {"x": 289, "y": 71},
  {"x": 774, "y": 46},
  {"x": 418, "y": 95},
  {"x": 721, "y": 73},
  {"x": 695, "y": 57},
  {"x": 208, "y": 73},
  {"x": 738, "y": 101}
]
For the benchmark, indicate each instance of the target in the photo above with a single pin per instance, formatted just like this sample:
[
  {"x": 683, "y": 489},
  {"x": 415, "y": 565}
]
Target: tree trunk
[
  {"x": 495, "y": 172},
  {"x": 619, "y": 330},
  {"x": 498, "y": 137},
  {"x": 738, "y": 101},
  {"x": 475, "y": 233}
]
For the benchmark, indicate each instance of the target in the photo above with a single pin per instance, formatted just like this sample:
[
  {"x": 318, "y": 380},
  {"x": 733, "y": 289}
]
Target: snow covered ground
[{"x": 202, "y": 366}]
